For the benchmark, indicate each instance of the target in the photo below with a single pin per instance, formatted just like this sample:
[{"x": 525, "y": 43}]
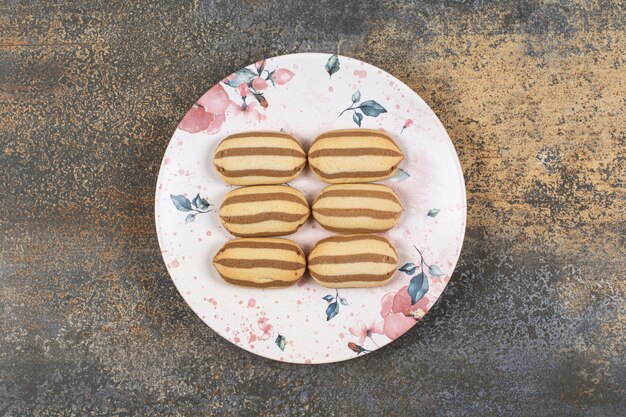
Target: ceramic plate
[{"x": 305, "y": 95}]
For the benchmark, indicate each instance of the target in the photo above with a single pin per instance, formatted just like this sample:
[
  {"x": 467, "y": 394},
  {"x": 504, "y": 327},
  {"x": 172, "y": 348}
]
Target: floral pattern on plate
[{"x": 305, "y": 95}]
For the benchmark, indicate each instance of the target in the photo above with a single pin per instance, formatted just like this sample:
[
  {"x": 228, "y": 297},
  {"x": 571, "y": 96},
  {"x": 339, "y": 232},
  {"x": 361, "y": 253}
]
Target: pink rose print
[
  {"x": 208, "y": 113},
  {"x": 243, "y": 90},
  {"x": 249, "y": 112},
  {"x": 361, "y": 331},
  {"x": 259, "y": 84},
  {"x": 398, "y": 313},
  {"x": 282, "y": 76}
]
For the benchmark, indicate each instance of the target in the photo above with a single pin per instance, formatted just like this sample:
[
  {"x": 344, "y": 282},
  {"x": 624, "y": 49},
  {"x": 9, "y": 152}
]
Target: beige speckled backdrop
[{"x": 532, "y": 94}]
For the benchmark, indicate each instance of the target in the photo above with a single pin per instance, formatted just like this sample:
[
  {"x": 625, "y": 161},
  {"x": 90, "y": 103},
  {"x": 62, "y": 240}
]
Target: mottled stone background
[{"x": 532, "y": 93}]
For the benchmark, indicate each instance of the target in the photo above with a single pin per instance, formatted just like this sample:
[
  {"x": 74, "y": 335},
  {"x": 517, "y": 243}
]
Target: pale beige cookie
[
  {"x": 264, "y": 210},
  {"x": 353, "y": 261},
  {"x": 354, "y": 156},
  {"x": 357, "y": 208},
  {"x": 260, "y": 262},
  {"x": 259, "y": 158}
]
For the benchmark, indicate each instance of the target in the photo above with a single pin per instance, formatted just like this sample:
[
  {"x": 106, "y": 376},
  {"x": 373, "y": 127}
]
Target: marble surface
[{"x": 532, "y": 94}]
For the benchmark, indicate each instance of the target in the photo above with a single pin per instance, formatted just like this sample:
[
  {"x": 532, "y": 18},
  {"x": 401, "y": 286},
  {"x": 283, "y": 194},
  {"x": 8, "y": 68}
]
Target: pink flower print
[
  {"x": 208, "y": 113},
  {"x": 243, "y": 89},
  {"x": 362, "y": 331},
  {"x": 259, "y": 84},
  {"x": 249, "y": 112},
  {"x": 408, "y": 123},
  {"x": 196, "y": 120},
  {"x": 215, "y": 100},
  {"x": 398, "y": 313},
  {"x": 396, "y": 324},
  {"x": 282, "y": 76}
]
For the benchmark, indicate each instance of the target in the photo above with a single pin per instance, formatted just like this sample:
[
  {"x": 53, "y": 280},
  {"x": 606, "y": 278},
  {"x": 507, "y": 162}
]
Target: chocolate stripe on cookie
[
  {"x": 260, "y": 263},
  {"x": 238, "y": 173},
  {"x": 261, "y": 135},
  {"x": 286, "y": 231},
  {"x": 241, "y": 243},
  {"x": 349, "y": 259},
  {"x": 355, "y": 174},
  {"x": 350, "y": 277},
  {"x": 354, "y": 229},
  {"x": 260, "y": 197},
  {"x": 385, "y": 195},
  {"x": 360, "y": 212},
  {"x": 344, "y": 239},
  {"x": 353, "y": 152},
  {"x": 358, "y": 133},
  {"x": 263, "y": 217},
  {"x": 268, "y": 284},
  {"x": 225, "y": 153}
]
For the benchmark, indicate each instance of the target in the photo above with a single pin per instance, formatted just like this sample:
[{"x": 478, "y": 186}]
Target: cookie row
[
  {"x": 334, "y": 262},
  {"x": 336, "y": 157},
  {"x": 276, "y": 210}
]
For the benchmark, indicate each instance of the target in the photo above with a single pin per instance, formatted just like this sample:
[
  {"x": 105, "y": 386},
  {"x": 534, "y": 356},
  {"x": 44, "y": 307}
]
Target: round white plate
[{"x": 305, "y": 95}]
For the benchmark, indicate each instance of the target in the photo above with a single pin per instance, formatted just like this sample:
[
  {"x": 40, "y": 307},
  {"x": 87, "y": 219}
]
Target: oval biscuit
[
  {"x": 259, "y": 158},
  {"x": 354, "y": 156},
  {"x": 357, "y": 208},
  {"x": 353, "y": 261},
  {"x": 264, "y": 210},
  {"x": 260, "y": 262}
]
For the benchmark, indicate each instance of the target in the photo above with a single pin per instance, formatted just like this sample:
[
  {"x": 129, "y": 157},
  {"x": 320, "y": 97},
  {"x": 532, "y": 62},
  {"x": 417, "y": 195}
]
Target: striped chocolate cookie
[
  {"x": 260, "y": 262},
  {"x": 354, "y": 155},
  {"x": 353, "y": 261},
  {"x": 264, "y": 210},
  {"x": 357, "y": 208},
  {"x": 257, "y": 158}
]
